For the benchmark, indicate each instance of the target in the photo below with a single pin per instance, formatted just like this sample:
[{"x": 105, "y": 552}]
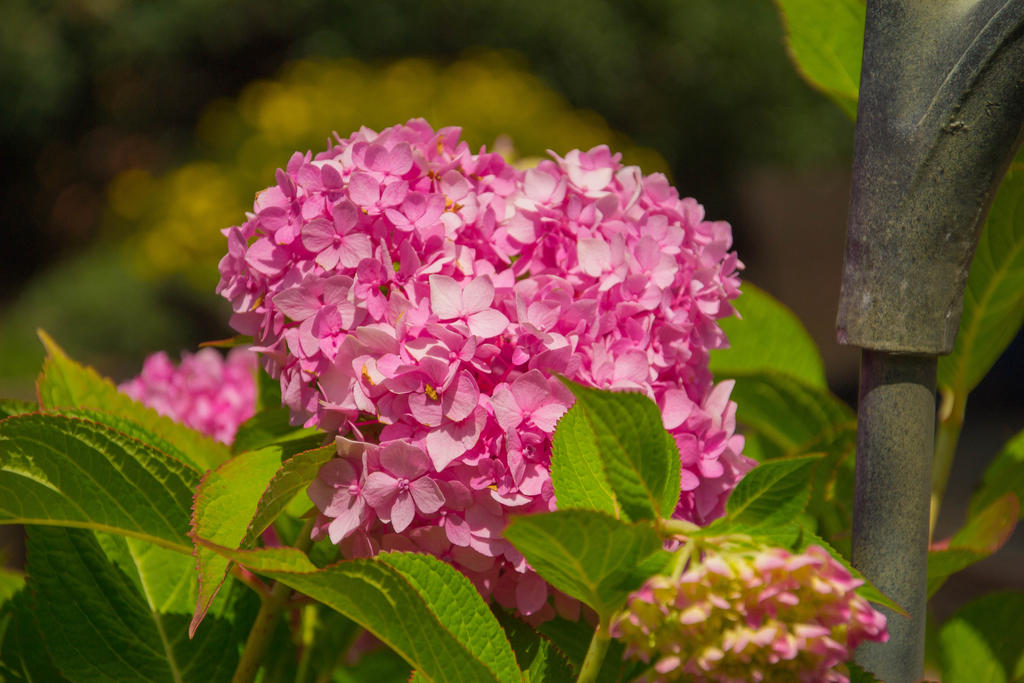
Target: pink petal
[
  {"x": 402, "y": 512},
  {"x": 461, "y": 397},
  {"x": 345, "y": 215},
  {"x": 345, "y": 523},
  {"x": 594, "y": 255},
  {"x": 547, "y": 417},
  {"x": 478, "y": 295},
  {"x": 506, "y": 408},
  {"x": 531, "y": 390},
  {"x": 453, "y": 439},
  {"x": 531, "y": 594},
  {"x": 445, "y": 297},
  {"x": 363, "y": 190},
  {"x": 317, "y": 234},
  {"x": 354, "y": 248},
  {"x": 487, "y": 324},
  {"x": 427, "y": 411},
  {"x": 676, "y": 407},
  {"x": 394, "y": 193},
  {"x": 400, "y": 159},
  {"x": 380, "y": 490},
  {"x": 297, "y": 303},
  {"x": 402, "y": 459},
  {"x": 426, "y": 494}
]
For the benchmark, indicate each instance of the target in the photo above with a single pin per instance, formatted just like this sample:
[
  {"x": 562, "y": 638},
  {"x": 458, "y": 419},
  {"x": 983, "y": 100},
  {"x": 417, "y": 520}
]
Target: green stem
[
  {"x": 595, "y": 653},
  {"x": 951, "y": 420},
  {"x": 266, "y": 620}
]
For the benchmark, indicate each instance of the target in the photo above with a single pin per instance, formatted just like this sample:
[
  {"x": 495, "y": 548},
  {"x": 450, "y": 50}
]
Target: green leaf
[
  {"x": 769, "y": 496},
  {"x": 1005, "y": 474},
  {"x": 11, "y": 581},
  {"x": 10, "y": 406},
  {"x": 640, "y": 458},
  {"x": 825, "y": 39},
  {"x": 402, "y": 602},
  {"x": 794, "y": 417},
  {"x": 66, "y": 384},
  {"x": 59, "y": 470},
  {"x": 860, "y": 675},
  {"x": 293, "y": 477},
  {"x": 112, "y": 608},
  {"x": 577, "y": 472},
  {"x": 23, "y": 653},
  {"x": 538, "y": 658},
  {"x": 994, "y": 297},
  {"x": 768, "y": 337},
  {"x": 573, "y": 639},
  {"x": 225, "y": 503},
  {"x": 983, "y": 641},
  {"x": 458, "y": 606},
  {"x": 585, "y": 554},
  {"x": 271, "y": 427},
  {"x": 984, "y": 534}
]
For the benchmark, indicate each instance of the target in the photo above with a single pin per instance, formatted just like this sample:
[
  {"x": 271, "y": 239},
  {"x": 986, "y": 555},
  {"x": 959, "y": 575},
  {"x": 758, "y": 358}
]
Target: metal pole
[
  {"x": 940, "y": 115},
  {"x": 896, "y": 426}
]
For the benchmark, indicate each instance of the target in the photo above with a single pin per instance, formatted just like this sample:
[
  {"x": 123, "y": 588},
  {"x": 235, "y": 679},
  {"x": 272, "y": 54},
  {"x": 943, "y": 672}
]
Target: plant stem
[
  {"x": 595, "y": 653},
  {"x": 266, "y": 620},
  {"x": 951, "y": 420}
]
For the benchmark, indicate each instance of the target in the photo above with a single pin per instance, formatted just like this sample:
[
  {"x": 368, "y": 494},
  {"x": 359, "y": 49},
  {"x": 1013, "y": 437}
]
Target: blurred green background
[{"x": 133, "y": 132}]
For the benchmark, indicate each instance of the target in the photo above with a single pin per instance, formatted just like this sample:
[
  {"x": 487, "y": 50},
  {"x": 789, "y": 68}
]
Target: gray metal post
[{"x": 939, "y": 119}]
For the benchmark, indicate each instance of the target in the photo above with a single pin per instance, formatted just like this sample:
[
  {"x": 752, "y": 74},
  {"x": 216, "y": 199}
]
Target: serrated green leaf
[
  {"x": 271, "y": 427},
  {"x": 459, "y": 608},
  {"x": 767, "y": 337},
  {"x": 795, "y": 417},
  {"x": 577, "y": 472},
  {"x": 294, "y": 476},
  {"x": 112, "y": 608},
  {"x": 59, "y": 470},
  {"x": 983, "y": 641},
  {"x": 825, "y": 39},
  {"x": 385, "y": 600},
  {"x": 984, "y": 534},
  {"x": 539, "y": 659},
  {"x": 1005, "y": 474},
  {"x": 641, "y": 460},
  {"x": 994, "y": 298},
  {"x": 10, "y": 406},
  {"x": 225, "y": 503},
  {"x": 66, "y": 384},
  {"x": 588, "y": 555},
  {"x": 861, "y": 675},
  {"x": 770, "y": 496}
]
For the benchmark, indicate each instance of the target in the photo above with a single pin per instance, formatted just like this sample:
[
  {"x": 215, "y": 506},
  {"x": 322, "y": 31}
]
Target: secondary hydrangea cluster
[
  {"x": 418, "y": 300},
  {"x": 207, "y": 392},
  {"x": 759, "y": 615}
]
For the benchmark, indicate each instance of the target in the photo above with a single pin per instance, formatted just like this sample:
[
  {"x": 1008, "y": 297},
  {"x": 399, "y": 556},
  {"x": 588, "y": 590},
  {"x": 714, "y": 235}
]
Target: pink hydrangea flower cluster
[
  {"x": 419, "y": 300},
  {"x": 760, "y": 615},
  {"x": 207, "y": 392}
]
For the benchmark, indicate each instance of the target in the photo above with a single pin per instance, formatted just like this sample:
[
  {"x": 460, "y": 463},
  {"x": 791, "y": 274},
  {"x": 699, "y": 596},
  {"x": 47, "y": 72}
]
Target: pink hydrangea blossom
[
  {"x": 206, "y": 392},
  {"x": 405, "y": 290},
  {"x": 750, "y": 615}
]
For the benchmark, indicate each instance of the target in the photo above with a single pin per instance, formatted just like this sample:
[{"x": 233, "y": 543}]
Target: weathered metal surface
[
  {"x": 896, "y": 427},
  {"x": 940, "y": 115}
]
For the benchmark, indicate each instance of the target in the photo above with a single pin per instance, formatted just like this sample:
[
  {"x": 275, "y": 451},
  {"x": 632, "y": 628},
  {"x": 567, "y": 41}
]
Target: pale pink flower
[{"x": 206, "y": 392}]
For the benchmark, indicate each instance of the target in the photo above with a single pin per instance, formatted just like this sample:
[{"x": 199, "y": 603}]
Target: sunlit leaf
[
  {"x": 66, "y": 384},
  {"x": 825, "y": 39},
  {"x": 589, "y": 555},
  {"x": 984, "y": 534},
  {"x": 767, "y": 337},
  {"x": 66, "y": 471},
  {"x": 984, "y": 641},
  {"x": 994, "y": 298}
]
